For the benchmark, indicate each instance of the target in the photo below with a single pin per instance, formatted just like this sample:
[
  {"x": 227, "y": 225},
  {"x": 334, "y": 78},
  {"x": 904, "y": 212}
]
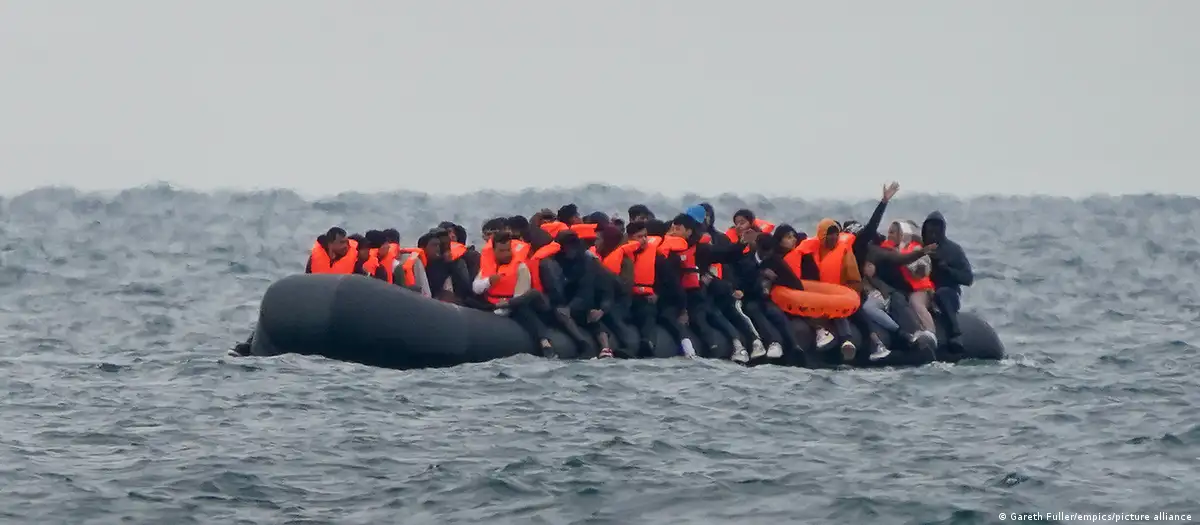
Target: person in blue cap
[{"x": 711, "y": 324}]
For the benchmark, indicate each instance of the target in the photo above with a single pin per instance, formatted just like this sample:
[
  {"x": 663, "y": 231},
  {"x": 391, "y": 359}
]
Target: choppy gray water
[{"x": 119, "y": 405}]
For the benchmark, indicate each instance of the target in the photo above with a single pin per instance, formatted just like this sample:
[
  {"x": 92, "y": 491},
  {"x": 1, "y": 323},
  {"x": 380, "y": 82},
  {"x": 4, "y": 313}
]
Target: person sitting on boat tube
[
  {"x": 743, "y": 220},
  {"x": 615, "y": 286},
  {"x": 643, "y": 301},
  {"x": 831, "y": 252},
  {"x": 669, "y": 298},
  {"x": 950, "y": 271},
  {"x": 751, "y": 290},
  {"x": 712, "y": 254},
  {"x": 680, "y": 244},
  {"x": 506, "y": 285},
  {"x": 572, "y": 293},
  {"x": 914, "y": 275},
  {"x": 446, "y": 270},
  {"x": 334, "y": 252}
]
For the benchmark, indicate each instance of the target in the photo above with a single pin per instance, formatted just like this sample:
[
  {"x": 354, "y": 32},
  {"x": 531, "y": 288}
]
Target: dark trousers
[
  {"x": 698, "y": 309},
  {"x": 901, "y": 311},
  {"x": 668, "y": 318},
  {"x": 585, "y": 344},
  {"x": 644, "y": 316},
  {"x": 728, "y": 320},
  {"x": 772, "y": 323},
  {"x": 622, "y": 336},
  {"x": 525, "y": 310},
  {"x": 949, "y": 302}
]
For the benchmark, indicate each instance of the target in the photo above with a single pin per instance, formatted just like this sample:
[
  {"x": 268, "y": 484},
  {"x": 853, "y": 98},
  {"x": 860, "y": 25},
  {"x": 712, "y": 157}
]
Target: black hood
[
  {"x": 710, "y": 215},
  {"x": 937, "y": 221}
]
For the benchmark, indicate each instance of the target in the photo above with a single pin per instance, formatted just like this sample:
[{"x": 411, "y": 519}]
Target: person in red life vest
[
  {"x": 335, "y": 252},
  {"x": 639, "y": 213},
  {"x": 670, "y": 300},
  {"x": 506, "y": 288},
  {"x": 643, "y": 301},
  {"x": 681, "y": 243},
  {"x": 616, "y": 286},
  {"x": 903, "y": 238},
  {"x": 711, "y": 256}
]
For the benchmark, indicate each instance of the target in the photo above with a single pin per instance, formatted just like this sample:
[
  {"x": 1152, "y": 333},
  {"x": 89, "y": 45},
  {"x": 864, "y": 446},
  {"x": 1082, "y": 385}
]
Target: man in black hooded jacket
[{"x": 950, "y": 272}]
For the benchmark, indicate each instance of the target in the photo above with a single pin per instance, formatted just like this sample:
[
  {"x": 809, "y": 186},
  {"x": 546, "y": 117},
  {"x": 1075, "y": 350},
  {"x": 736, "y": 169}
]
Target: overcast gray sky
[{"x": 1065, "y": 97}]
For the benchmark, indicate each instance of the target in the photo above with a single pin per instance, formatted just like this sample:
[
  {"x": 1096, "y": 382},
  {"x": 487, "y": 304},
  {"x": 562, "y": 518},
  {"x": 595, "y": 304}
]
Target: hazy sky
[{"x": 1065, "y": 97}]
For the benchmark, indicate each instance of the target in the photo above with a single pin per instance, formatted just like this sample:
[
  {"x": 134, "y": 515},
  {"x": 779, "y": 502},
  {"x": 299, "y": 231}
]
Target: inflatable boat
[{"x": 363, "y": 320}]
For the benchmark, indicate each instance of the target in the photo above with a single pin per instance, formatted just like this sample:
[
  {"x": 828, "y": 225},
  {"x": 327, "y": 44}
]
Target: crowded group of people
[{"x": 609, "y": 282}]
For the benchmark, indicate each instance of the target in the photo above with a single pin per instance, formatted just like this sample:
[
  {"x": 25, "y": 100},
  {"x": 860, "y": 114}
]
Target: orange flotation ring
[{"x": 817, "y": 299}]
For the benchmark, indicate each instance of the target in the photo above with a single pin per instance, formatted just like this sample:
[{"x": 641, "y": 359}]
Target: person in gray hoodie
[{"x": 951, "y": 271}]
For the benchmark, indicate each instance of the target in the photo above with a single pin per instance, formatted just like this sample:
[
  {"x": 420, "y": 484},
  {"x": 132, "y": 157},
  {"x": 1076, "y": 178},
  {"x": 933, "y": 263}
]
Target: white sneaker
[
  {"x": 775, "y": 351},
  {"x": 501, "y": 311},
  {"x": 738, "y": 346},
  {"x": 880, "y": 353},
  {"x": 757, "y": 350},
  {"x": 741, "y": 356},
  {"x": 688, "y": 350},
  {"x": 926, "y": 334},
  {"x": 848, "y": 351},
  {"x": 824, "y": 338}
]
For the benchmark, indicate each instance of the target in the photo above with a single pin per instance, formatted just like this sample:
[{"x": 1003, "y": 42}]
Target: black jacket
[
  {"x": 745, "y": 274},
  {"x": 869, "y": 233},
  {"x": 439, "y": 270},
  {"x": 578, "y": 281},
  {"x": 668, "y": 280},
  {"x": 951, "y": 268}
]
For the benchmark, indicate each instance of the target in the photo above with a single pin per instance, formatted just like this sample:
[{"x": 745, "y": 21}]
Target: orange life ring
[{"x": 817, "y": 299}]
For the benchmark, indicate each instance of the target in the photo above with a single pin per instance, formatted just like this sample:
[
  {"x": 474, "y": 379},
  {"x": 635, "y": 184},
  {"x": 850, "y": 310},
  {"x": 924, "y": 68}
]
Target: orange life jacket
[
  {"x": 520, "y": 251},
  {"x": 763, "y": 226},
  {"x": 457, "y": 249},
  {"x": 687, "y": 260},
  {"x": 320, "y": 262},
  {"x": 585, "y": 232},
  {"x": 924, "y": 283},
  {"x": 846, "y": 237},
  {"x": 408, "y": 267},
  {"x": 388, "y": 261},
  {"x": 503, "y": 289},
  {"x": 553, "y": 227},
  {"x": 614, "y": 260},
  {"x": 643, "y": 266},
  {"x": 535, "y": 264},
  {"x": 832, "y": 264},
  {"x": 374, "y": 262}
]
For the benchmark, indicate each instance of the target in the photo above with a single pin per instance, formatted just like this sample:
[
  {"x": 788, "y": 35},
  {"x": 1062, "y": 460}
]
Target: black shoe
[{"x": 242, "y": 349}]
